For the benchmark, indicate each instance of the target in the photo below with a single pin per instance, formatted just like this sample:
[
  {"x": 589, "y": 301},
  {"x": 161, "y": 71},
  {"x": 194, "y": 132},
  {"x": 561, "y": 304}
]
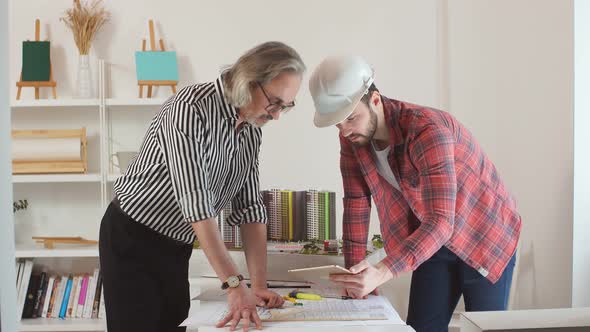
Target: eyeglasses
[{"x": 277, "y": 106}]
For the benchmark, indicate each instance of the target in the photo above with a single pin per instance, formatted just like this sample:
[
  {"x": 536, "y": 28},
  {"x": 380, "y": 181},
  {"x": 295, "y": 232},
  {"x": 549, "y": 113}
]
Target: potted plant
[
  {"x": 21, "y": 204},
  {"x": 377, "y": 241},
  {"x": 311, "y": 248}
]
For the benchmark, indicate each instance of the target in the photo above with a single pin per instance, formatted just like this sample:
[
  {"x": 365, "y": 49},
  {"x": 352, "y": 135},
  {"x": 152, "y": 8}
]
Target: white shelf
[
  {"x": 61, "y": 250},
  {"x": 34, "y": 103},
  {"x": 56, "y": 178},
  {"x": 53, "y": 324},
  {"x": 135, "y": 101},
  {"x": 65, "y": 250}
]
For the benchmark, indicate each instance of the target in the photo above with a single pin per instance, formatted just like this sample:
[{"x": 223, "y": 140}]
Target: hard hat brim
[{"x": 322, "y": 120}]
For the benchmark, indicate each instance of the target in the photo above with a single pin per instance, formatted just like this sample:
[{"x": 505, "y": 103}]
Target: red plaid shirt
[{"x": 451, "y": 195}]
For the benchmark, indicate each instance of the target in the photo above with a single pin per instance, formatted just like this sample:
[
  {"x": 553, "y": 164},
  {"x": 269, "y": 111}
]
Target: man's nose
[
  {"x": 275, "y": 115},
  {"x": 344, "y": 130}
]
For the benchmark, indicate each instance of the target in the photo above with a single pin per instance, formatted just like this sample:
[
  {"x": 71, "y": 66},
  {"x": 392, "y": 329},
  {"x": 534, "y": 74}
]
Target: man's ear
[{"x": 375, "y": 98}]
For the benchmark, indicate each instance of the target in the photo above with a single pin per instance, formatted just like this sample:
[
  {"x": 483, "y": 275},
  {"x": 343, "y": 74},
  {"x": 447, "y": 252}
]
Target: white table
[
  {"x": 197, "y": 284},
  {"x": 374, "y": 328},
  {"x": 545, "y": 320}
]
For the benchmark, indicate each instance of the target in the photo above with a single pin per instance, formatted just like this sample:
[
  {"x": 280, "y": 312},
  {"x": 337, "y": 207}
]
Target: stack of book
[{"x": 48, "y": 295}]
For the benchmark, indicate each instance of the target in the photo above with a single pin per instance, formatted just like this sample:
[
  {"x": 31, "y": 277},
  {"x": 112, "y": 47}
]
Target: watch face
[{"x": 233, "y": 281}]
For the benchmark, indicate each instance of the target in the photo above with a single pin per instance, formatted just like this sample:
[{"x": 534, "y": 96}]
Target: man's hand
[
  {"x": 365, "y": 280},
  {"x": 270, "y": 298},
  {"x": 242, "y": 307}
]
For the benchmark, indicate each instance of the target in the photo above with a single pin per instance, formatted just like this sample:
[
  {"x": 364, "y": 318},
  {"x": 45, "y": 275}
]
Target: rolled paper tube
[{"x": 41, "y": 149}]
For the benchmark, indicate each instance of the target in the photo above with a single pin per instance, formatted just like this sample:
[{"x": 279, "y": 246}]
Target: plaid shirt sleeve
[
  {"x": 432, "y": 153},
  {"x": 357, "y": 206}
]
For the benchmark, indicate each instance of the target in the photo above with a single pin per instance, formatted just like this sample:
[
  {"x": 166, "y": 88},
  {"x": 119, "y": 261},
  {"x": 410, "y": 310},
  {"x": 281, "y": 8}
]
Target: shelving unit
[
  {"x": 62, "y": 192},
  {"x": 37, "y": 251},
  {"x": 53, "y": 103},
  {"x": 133, "y": 102},
  {"x": 56, "y": 178},
  {"x": 52, "y": 324},
  {"x": 112, "y": 117}
]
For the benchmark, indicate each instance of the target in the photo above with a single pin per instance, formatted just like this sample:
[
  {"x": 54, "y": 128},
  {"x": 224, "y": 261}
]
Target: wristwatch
[{"x": 232, "y": 281}]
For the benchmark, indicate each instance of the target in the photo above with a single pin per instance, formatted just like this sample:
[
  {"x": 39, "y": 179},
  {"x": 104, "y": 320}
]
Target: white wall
[
  {"x": 209, "y": 35},
  {"x": 511, "y": 83},
  {"x": 508, "y": 65},
  {"x": 581, "y": 229},
  {"x": 7, "y": 274}
]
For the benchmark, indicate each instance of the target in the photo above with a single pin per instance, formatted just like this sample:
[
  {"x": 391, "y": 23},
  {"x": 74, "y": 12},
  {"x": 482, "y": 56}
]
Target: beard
[
  {"x": 258, "y": 121},
  {"x": 362, "y": 139}
]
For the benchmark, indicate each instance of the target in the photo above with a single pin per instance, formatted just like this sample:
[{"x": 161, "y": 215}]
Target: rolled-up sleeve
[
  {"x": 247, "y": 205},
  {"x": 181, "y": 140}
]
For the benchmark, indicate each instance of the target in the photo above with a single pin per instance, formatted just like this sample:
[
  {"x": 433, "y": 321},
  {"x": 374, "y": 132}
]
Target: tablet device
[{"x": 318, "y": 274}]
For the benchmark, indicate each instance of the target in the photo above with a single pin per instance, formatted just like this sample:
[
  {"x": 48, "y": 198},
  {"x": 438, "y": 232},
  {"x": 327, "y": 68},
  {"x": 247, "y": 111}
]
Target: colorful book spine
[
  {"x": 30, "y": 295},
  {"x": 82, "y": 298},
  {"x": 76, "y": 296},
  {"x": 72, "y": 299},
  {"x": 97, "y": 294},
  {"x": 101, "y": 308},
  {"x": 59, "y": 297},
  {"x": 47, "y": 296},
  {"x": 39, "y": 297},
  {"x": 54, "y": 291},
  {"x": 66, "y": 298},
  {"x": 90, "y": 295}
]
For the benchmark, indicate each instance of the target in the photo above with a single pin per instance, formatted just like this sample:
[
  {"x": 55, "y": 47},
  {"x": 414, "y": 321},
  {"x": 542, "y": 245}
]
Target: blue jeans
[{"x": 438, "y": 283}]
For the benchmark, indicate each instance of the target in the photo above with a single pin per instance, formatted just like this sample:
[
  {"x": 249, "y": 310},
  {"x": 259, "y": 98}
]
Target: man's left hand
[
  {"x": 366, "y": 278},
  {"x": 270, "y": 298}
]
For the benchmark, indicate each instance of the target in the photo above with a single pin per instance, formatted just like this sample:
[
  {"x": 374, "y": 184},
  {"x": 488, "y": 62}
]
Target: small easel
[
  {"x": 49, "y": 241},
  {"x": 37, "y": 84},
  {"x": 151, "y": 84}
]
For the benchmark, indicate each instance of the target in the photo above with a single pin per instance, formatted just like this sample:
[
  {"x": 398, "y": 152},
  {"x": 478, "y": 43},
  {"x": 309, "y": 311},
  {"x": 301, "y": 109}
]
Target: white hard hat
[{"x": 337, "y": 86}]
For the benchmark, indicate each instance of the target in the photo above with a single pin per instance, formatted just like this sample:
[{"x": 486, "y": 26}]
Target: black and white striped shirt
[{"x": 191, "y": 163}]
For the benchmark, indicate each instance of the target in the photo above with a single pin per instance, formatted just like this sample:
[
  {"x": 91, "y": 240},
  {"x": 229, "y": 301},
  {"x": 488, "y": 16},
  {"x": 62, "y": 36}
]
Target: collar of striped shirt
[{"x": 229, "y": 111}]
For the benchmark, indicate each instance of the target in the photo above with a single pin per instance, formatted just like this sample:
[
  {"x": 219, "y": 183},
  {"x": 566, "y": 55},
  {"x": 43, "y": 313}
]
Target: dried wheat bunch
[{"x": 85, "y": 19}]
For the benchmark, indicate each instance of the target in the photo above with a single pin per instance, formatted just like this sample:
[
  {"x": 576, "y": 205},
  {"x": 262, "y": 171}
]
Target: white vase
[{"x": 83, "y": 81}]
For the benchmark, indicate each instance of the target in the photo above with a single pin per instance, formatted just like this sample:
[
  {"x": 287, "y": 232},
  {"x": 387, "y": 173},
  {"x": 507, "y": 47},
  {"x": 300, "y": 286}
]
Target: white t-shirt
[{"x": 383, "y": 167}]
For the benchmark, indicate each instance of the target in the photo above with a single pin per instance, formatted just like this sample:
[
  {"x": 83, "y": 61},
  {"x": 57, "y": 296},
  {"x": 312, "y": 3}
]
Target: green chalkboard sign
[{"x": 36, "y": 63}]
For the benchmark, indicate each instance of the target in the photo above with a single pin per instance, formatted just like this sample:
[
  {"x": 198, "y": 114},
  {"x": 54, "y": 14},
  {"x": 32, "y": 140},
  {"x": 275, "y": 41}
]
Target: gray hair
[{"x": 259, "y": 65}]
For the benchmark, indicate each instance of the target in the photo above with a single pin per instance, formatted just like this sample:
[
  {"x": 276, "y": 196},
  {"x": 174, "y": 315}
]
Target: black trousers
[{"x": 145, "y": 275}]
